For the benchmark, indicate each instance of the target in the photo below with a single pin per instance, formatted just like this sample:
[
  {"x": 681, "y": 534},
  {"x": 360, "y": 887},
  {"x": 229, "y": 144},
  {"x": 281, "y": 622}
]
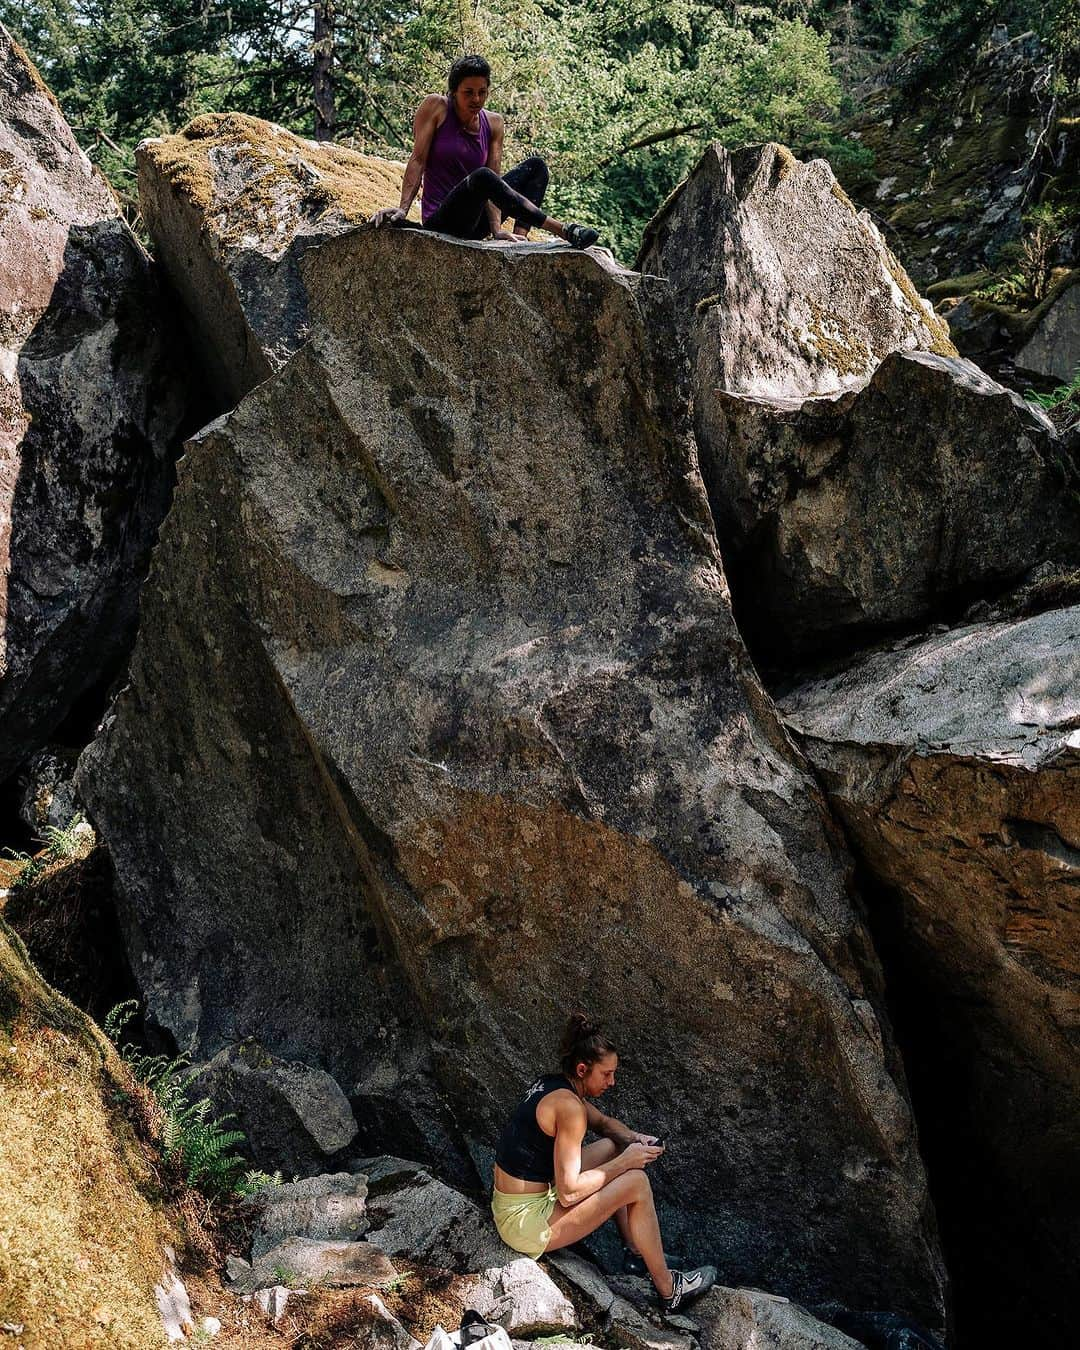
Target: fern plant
[
  {"x": 1063, "y": 403},
  {"x": 60, "y": 843},
  {"x": 199, "y": 1143}
]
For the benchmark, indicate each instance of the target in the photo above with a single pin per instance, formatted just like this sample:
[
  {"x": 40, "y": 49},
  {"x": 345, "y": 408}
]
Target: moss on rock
[
  {"x": 283, "y": 174},
  {"x": 80, "y": 1238}
]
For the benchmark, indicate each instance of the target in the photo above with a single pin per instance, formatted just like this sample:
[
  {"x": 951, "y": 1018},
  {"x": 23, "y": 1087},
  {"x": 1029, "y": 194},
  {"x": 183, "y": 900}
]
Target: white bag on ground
[{"x": 497, "y": 1339}]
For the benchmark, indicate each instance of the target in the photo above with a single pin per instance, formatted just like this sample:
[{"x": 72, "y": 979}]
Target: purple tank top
[{"x": 454, "y": 154}]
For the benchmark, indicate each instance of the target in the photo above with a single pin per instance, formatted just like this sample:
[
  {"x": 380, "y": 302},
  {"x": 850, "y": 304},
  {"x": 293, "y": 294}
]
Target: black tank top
[{"x": 525, "y": 1151}]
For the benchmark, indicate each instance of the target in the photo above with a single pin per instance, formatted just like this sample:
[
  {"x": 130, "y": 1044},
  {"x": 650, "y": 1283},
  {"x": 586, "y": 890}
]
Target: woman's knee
[
  {"x": 483, "y": 179},
  {"x": 640, "y": 1186},
  {"x": 536, "y": 168}
]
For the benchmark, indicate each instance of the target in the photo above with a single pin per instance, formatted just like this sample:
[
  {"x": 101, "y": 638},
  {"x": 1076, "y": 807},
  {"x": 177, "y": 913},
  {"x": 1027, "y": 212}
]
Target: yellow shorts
[{"x": 522, "y": 1220}]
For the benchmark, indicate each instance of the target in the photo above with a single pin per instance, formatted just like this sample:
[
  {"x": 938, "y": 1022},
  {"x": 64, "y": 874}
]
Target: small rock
[
  {"x": 236, "y": 1267},
  {"x": 630, "y": 1328},
  {"x": 585, "y": 1278},
  {"x": 209, "y": 1326},
  {"x": 300, "y": 1260},
  {"x": 524, "y": 1299},
  {"x": 295, "y": 1115},
  {"x": 329, "y": 1207},
  {"x": 750, "y": 1319},
  {"x": 172, "y": 1301},
  {"x": 383, "y": 1331},
  {"x": 272, "y": 1301}
]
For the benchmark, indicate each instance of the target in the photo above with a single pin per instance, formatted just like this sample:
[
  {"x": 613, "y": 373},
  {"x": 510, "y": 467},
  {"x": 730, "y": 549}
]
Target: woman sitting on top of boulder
[
  {"x": 457, "y": 152},
  {"x": 552, "y": 1189}
]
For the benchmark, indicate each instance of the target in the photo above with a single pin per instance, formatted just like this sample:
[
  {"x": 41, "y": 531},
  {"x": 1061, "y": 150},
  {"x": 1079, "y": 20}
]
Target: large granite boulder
[
  {"x": 90, "y": 403},
  {"x": 782, "y": 288},
  {"x": 439, "y": 725},
  {"x": 955, "y": 766},
  {"x": 232, "y": 203},
  {"x": 846, "y": 517}
]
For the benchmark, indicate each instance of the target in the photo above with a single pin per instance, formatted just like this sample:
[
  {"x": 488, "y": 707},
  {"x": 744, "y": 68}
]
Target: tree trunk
[{"x": 324, "y": 60}]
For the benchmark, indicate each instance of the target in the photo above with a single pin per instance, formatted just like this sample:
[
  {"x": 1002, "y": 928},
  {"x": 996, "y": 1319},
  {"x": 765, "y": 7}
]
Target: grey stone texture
[
  {"x": 954, "y": 763},
  {"x": 294, "y": 1114},
  {"x": 782, "y": 289},
  {"x": 297, "y": 1261},
  {"x": 1053, "y": 348},
  {"x": 880, "y": 510},
  {"x": 91, "y": 398},
  {"x": 438, "y": 692},
  {"x": 232, "y": 203},
  {"x": 330, "y": 1206}
]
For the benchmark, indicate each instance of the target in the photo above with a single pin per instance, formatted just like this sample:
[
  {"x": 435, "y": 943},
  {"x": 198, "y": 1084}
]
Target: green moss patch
[
  {"x": 80, "y": 1239},
  {"x": 282, "y": 171}
]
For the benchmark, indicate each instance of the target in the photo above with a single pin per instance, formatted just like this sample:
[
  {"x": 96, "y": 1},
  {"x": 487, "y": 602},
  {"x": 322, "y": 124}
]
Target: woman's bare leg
[
  {"x": 595, "y": 1155},
  {"x": 632, "y": 1191}
]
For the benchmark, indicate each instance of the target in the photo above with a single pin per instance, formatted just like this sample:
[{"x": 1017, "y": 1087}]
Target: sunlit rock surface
[
  {"x": 782, "y": 289},
  {"x": 232, "y": 203}
]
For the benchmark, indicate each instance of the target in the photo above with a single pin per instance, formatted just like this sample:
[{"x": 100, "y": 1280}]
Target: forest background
[{"x": 619, "y": 96}]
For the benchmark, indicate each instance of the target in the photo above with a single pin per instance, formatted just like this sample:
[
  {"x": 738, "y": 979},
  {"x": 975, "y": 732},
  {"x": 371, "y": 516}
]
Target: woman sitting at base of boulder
[
  {"x": 552, "y": 1189},
  {"x": 457, "y": 153}
]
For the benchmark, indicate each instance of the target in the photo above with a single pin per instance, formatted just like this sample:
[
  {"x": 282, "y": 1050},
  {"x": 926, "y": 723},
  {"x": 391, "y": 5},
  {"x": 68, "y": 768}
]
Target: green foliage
[
  {"x": 1063, "y": 403},
  {"x": 1025, "y": 265},
  {"x": 620, "y": 97},
  {"x": 255, "y": 1180},
  {"x": 191, "y": 1138},
  {"x": 59, "y": 843}
]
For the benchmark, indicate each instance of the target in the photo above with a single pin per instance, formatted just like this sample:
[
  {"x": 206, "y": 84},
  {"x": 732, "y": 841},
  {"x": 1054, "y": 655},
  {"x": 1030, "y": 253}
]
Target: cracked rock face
[
  {"x": 782, "y": 289},
  {"x": 439, "y": 724},
  {"x": 845, "y": 517},
  {"x": 90, "y": 404},
  {"x": 955, "y": 766},
  {"x": 232, "y": 203}
]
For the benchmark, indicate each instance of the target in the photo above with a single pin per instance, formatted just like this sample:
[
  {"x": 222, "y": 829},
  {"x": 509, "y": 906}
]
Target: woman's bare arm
[
  {"x": 613, "y": 1129},
  {"x": 429, "y": 117},
  {"x": 571, "y": 1183},
  {"x": 494, "y": 163}
]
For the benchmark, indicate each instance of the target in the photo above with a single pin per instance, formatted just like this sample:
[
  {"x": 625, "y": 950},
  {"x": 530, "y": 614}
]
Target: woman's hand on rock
[{"x": 389, "y": 215}]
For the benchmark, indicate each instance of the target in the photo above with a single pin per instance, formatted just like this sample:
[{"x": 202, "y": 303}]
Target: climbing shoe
[
  {"x": 581, "y": 236},
  {"x": 633, "y": 1264},
  {"x": 688, "y": 1286}
]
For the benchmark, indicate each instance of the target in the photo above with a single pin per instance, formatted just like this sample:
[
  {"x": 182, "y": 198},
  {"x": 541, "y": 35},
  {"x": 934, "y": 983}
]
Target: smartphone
[{"x": 660, "y": 1143}]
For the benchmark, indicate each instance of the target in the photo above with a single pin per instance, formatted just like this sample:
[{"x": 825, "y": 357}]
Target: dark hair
[
  {"x": 465, "y": 66},
  {"x": 583, "y": 1042}
]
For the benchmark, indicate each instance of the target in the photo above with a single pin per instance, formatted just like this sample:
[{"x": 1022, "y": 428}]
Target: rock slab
[
  {"x": 330, "y": 1207},
  {"x": 782, "y": 288},
  {"x": 232, "y": 203},
  {"x": 305, "y": 1261},
  {"x": 840, "y": 522},
  {"x": 91, "y": 400},
  {"x": 954, "y": 763}
]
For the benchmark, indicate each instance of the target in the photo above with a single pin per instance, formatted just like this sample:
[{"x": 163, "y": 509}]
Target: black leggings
[{"x": 518, "y": 196}]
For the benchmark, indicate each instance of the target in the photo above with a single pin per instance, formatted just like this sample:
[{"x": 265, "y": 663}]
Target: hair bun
[{"x": 583, "y": 1040}]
